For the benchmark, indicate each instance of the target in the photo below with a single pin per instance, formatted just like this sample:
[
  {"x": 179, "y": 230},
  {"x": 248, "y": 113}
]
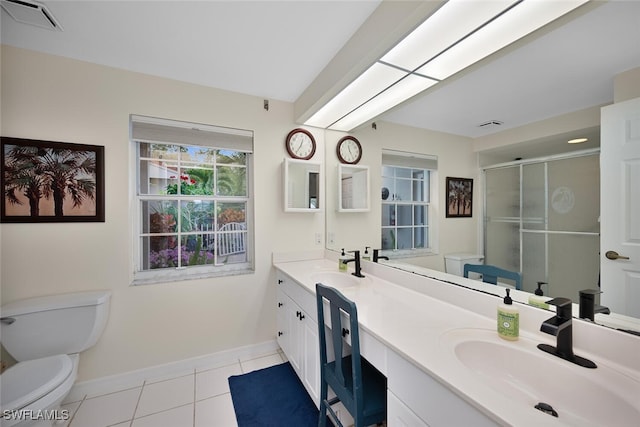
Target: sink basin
[
  {"x": 337, "y": 279},
  {"x": 523, "y": 373}
]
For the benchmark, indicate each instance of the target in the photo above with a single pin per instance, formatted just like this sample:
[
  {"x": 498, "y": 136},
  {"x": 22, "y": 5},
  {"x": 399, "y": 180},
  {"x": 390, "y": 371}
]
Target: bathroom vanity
[{"x": 444, "y": 362}]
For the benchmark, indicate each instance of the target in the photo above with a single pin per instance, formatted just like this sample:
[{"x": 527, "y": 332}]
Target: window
[
  {"x": 193, "y": 200},
  {"x": 406, "y": 201}
]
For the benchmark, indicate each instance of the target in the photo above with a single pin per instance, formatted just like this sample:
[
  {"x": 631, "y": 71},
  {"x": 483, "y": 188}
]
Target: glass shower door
[{"x": 546, "y": 215}]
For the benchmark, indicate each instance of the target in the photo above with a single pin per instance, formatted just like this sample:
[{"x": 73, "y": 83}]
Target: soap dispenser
[
  {"x": 508, "y": 319},
  {"x": 366, "y": 256},
  {"x": 538, "y": 300},
  {"x": 342, "y": 265}
]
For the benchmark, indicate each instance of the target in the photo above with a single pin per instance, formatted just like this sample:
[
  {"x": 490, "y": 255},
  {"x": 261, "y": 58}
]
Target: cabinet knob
[
  {"x": 345, "y": 332},
  {"x": 280, "y": 281},
  {"x": 279, "y": 333},
  {"x": 301, "y": 316},
  {"x": 280, "y": 304}
]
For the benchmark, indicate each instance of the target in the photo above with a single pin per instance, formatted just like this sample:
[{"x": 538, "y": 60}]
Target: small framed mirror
[
  {"x": 353, "y": 188},
  {"x": 303, "y": 186}
]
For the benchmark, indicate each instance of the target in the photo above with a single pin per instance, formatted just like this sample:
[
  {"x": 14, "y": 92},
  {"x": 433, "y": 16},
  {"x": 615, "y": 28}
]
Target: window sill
[
  {"x": 408, "y": 253},
  {"x": 155, "y": 277}
]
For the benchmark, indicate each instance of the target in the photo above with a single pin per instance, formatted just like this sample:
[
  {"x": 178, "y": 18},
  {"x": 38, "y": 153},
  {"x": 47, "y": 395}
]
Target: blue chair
[
  {"x": 360, "y": 387},
  {"x": 490, "y": 274}
]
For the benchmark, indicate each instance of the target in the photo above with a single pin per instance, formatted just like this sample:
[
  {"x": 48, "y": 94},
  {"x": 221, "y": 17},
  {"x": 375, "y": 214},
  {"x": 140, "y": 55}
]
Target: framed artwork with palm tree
[
  {"x": 47, "y": 181},
  {"x": 459, "y": 197}
]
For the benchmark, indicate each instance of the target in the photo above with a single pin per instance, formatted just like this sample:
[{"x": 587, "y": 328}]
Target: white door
[{"x": 620, "y": 207}]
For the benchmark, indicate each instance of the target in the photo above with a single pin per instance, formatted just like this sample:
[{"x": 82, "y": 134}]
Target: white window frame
[
  {"x": 164, "y": 131},
  {"x": 399, "y": 159}
]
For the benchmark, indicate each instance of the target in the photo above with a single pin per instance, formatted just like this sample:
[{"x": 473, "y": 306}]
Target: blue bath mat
[{"x": 272, "y": 397}]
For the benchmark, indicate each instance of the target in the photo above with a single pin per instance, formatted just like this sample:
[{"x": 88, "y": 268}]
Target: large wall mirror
[{"x": 538, "y": 216}]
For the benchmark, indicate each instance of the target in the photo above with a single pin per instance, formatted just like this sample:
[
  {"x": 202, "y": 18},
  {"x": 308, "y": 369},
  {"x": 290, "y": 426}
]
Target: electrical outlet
[
  {"x": 318, "y": 239},
  {"x": 331, "y": 238}
]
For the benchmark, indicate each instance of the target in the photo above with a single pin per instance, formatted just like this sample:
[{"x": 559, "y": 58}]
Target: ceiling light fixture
[
  {"x": 457, "y": 35},
  {"x": 577, "y": 140}
]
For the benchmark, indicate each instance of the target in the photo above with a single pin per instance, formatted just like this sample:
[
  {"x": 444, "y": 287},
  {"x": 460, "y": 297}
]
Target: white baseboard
[{"x": 132, "y": 379}]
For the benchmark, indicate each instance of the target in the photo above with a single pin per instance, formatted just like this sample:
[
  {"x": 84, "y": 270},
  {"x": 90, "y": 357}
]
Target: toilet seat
[{"x": 28, "y": 381}]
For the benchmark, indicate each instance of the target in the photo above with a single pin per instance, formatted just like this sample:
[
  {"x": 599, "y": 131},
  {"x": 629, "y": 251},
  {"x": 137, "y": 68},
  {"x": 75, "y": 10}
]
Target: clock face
[
  {"x": 349, "y": 150},
  {"x": 300, "y": 144}
]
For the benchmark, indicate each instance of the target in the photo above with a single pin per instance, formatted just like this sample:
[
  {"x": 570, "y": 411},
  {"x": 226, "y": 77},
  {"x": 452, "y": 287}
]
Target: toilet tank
[
  {"x": 454, "y": 263},
  {"x": 56, "y": 324}
]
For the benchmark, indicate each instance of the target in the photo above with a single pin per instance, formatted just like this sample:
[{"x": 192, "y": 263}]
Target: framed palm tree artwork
[
  {"x": 46, "y": 181},
  {"x": 459, "y": 197}
]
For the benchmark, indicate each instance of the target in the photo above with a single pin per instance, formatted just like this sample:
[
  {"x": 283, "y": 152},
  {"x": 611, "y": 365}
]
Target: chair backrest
[
  {"x": 490, "y": 274},
  {"x": 338, "y": 303}
]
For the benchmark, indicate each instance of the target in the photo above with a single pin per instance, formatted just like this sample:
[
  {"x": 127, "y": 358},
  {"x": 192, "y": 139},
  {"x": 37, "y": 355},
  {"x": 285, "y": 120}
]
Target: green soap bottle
[
  {"x": 366, "y": 256},
  {"x": 342, "y": 266},
  {"x": 508, "y": 319},
  {"x": 539, "y": 300}
]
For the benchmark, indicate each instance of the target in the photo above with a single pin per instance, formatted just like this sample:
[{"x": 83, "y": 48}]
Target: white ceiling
[{"x": 275, "y": 49}]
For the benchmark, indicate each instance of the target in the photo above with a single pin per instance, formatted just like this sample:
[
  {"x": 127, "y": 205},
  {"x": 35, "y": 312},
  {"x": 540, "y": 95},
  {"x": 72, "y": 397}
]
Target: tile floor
[{"x": 200, "y": 399}]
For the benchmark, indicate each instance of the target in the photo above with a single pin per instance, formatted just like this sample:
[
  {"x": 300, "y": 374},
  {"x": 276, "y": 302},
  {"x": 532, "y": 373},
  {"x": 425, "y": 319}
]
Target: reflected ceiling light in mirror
[
  {"x": 577, "y": 140},
  {"x": 457, "y": 35},
  {"x": 521, "y": 19},
  {"x": 404, "y": 89},
  {"x": 449, "y": 24}
]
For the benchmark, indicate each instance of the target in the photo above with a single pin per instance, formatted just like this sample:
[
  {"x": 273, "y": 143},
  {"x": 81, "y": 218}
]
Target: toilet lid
[{"x": 28, "y": 381}]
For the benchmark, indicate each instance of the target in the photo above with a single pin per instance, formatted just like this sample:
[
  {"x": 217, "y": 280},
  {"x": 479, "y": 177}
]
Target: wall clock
[
  {"x": 349, "y": 150},
  {"x": 300, "y": 144}
]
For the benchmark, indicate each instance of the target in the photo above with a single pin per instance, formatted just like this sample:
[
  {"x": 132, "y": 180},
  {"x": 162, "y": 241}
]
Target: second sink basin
[
  {"x": 580, "y": 396},
  {"x": 337, "y": 279}
]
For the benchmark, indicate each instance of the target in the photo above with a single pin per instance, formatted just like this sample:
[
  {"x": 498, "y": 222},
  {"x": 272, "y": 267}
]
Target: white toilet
[
  {"x": 45, "y": 335},
  {"x": 454, "y": 263}
]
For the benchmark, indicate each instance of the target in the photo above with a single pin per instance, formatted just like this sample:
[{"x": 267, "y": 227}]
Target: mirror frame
[
  {"x": 311, "y": 167},
  {"x": 344, "y": 170}
]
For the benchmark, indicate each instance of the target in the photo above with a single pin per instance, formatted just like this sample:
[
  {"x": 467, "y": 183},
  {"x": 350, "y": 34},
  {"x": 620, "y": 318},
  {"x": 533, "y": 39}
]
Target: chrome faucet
[
  {"x": 376, "y": 255},
  {"x": 588, "y": 306},
  {"x": 561, "y": 326},
  {"x": 356, "y": 259}
]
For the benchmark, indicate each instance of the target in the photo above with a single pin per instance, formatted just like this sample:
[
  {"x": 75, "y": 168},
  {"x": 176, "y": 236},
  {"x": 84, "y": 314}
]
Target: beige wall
[
  {"x": 53, "y": 98},
  {"x": 626, "y": 85},
  {"x": 58, "y": 99}
]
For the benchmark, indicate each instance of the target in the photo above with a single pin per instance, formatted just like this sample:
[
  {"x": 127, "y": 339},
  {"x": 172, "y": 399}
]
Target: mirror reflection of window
[{"x": 406, "y": 198}]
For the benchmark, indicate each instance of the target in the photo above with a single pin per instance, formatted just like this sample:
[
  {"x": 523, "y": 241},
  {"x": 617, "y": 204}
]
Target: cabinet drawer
[{"x": 302, "y": 297}]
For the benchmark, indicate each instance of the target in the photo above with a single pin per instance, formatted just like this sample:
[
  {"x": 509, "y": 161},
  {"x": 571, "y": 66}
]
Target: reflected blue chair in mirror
[
  {"x": 360, "y": 387},
  {"x": 491, "y": 273}
]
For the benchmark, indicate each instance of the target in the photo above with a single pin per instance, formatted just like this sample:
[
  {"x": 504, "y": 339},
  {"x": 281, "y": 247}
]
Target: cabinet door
[
  {"x": 282, "y": 321},
  {"x": 296, "y": 336},
  {"x": 399, "y": 415},
  {"x": 311, "y": 377}
]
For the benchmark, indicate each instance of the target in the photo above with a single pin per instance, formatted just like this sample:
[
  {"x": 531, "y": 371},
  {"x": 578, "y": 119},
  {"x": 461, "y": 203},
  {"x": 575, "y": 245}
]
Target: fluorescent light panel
[
  {"x": 404, "y": 89},
  {"x": 373, "y": 81},
  {"x": 522, "y": 19},
  {"x": 457, "y": 35},
  {"x": 453, "y": 21}
]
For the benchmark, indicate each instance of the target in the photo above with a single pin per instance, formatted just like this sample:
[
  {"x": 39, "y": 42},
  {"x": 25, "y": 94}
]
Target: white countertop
[{"x": 412, "y": 324}]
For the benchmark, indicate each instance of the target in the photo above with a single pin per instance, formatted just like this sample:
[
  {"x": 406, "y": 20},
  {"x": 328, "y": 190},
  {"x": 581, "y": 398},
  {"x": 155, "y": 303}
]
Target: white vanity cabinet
[
  {"x": 416, "y": 399},
  {"x": 298, "y": 333}
]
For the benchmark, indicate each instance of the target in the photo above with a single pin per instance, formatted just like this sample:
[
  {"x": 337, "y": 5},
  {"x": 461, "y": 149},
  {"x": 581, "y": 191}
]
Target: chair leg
[{"x": 322, "y": 418}]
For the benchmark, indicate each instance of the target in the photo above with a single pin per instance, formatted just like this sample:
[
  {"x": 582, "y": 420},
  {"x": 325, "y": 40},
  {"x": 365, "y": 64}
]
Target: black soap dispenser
[{"x": 538, "y": 299}]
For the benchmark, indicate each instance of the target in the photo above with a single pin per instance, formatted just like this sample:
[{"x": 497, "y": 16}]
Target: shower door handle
[{"x": 614, "y": 255}]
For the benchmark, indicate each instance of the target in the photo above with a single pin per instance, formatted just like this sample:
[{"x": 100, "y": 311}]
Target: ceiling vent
[
  {"x": 490, "y": 124},
  {"x": 32, "y": 13}
]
